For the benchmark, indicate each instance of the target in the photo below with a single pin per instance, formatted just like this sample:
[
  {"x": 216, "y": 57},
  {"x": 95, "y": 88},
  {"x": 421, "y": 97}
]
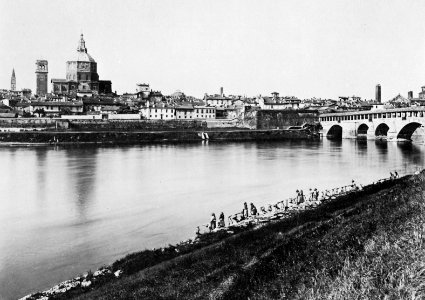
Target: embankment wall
[
  {"x": 134, "y": 125},
  {"x": 28, "y": 123},
  {"x": 261, "y": 119},
  {"x": 270, "y": 119},
  {"x": 134, "y": 137}
]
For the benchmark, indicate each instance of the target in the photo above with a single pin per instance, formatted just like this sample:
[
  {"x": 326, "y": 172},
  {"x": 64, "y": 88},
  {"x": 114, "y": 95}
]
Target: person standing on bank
[
  {"x": 213, "y": 223},
  {"x": 246, "y": 212},
  {"x": 221, "y": 221},
  {"x": 253, "y": 210}
]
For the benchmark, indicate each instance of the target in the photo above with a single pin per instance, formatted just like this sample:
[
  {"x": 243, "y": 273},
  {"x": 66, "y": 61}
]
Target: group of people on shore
[
  {"x": 243, "y": 215},
  {"x": 299, "y": 202}
]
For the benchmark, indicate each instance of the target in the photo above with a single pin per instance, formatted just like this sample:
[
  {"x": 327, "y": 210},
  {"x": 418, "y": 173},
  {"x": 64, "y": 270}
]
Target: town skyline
[{"x": 249, "y": 49}]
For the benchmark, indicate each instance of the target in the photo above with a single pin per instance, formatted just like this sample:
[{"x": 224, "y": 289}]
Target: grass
[{"x": 366, "y": 245}]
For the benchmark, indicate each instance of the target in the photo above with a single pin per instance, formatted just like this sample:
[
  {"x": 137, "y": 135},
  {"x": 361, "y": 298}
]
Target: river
[{"x": 67, "y": 210}]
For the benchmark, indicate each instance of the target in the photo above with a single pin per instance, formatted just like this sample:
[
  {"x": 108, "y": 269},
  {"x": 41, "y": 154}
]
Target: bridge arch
[
  {"x": 407, "y": 131},
  {"x": 362, "y": 130},
  {"x": 335, "y": 132},
  {"x": 382, "y": 130}
]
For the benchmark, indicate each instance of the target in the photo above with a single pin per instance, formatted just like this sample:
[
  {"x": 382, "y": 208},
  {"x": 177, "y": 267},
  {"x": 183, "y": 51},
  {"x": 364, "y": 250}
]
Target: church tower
[
  {"x": 13, "y": 81},
  {"x": 41, "y": 72}
]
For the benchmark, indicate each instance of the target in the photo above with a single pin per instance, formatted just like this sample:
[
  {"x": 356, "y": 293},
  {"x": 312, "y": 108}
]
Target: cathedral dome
[{"x": 83, "y": 56}]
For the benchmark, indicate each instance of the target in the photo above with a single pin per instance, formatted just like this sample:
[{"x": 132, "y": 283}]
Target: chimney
[
  {"x": 410, "y": 95},
  {"x": 221, "y": 92}
]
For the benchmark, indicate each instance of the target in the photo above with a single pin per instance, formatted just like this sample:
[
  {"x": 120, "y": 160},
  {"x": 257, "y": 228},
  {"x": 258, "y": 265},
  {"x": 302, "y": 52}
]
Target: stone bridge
[{"x": 390, "y": 124}]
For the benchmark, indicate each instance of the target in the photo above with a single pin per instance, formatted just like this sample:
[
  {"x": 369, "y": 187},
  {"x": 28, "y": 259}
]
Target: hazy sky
[{"x": 302, "y": 48}]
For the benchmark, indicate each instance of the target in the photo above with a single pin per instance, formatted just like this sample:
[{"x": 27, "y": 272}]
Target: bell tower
[
  {"x": 41, "y": 72},
  {"x": 13, "y": 81}
]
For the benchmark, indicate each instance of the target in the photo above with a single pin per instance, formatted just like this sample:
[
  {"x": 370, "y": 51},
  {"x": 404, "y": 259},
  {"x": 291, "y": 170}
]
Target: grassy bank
[{"x": 366, "y": 245}]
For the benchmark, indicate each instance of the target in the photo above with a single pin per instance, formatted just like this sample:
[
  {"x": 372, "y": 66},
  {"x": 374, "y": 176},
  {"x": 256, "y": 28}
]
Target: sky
[{"x": 322, "y": 49}]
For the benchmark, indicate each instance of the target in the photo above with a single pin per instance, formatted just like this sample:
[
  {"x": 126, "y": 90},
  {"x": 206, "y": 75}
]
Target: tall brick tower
[
  {"x": 13, "y": 81},
  {"x": 41, "y": 72},
  {"x": 378, "y": 93}
]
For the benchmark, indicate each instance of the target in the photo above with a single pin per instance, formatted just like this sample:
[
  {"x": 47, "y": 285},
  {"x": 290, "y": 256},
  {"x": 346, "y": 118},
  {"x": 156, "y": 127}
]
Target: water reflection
[
  {"x": 82, "y": 170},
  {"x": 41, "y": 156},
  {"x": 412, "y": 154},
  {"x": 382, "y": 150}
]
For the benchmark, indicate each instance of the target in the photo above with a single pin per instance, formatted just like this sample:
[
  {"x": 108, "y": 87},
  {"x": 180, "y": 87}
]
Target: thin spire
[{"x": 13, "y": 73}]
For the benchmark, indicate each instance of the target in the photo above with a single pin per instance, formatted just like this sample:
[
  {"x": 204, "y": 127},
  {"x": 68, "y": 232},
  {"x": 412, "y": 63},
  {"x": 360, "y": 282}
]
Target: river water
[{"x": 66, "y": 210}]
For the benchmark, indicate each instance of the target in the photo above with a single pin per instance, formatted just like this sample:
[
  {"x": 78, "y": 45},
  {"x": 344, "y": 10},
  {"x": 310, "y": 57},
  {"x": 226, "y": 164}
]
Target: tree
[
  {"x": 65, "y": 111},
  {"x": 40, "y": 111}
]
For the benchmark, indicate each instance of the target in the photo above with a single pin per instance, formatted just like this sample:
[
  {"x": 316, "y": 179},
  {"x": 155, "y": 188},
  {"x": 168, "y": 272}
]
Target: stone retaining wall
[
  {"x": 117, "y": 137},
  {"x": 46, "y": 123},
  {"x": 134, "y": 125},
  {"x": 270, "y": 119}
]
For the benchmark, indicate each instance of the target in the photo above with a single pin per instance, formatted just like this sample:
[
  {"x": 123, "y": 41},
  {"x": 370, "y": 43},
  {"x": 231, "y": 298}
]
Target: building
[
  {"x": 81, "y": 75},
  {"x": 143, "y": 90},
  {"x": 204, "y": 112},
  {"x": 218, "y": 100},
  {"x": 185, "y": 112},
  {"x": 56, "y": 108},
  {"x": 13, "y": 81},
  {"x": 399, "y": 101},
  {"x": 41, "y": 72},
  {"x": 276, "y": 102},
  {"x": 422, "y": 93},
  {"x": 159, "y": 112}
]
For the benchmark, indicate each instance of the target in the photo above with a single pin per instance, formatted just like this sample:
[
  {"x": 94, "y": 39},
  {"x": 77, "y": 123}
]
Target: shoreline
[{"x": 135, "y": 262}]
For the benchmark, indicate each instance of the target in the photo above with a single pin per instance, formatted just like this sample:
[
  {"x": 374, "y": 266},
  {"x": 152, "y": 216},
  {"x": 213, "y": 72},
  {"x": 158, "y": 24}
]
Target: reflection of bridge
[{"x": 391, "y": 124}]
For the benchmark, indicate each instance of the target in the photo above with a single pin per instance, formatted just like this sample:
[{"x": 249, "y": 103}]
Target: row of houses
[
  {"x": 105, "y": 109},
  {"x": 184, "y": 112},
  {"x": 153, "y": 105}
]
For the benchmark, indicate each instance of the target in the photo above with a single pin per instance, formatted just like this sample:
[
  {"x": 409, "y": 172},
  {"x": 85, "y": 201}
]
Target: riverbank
[
  {"x": 141, "y": 137},
  {"x": 334, "y": 251}
]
